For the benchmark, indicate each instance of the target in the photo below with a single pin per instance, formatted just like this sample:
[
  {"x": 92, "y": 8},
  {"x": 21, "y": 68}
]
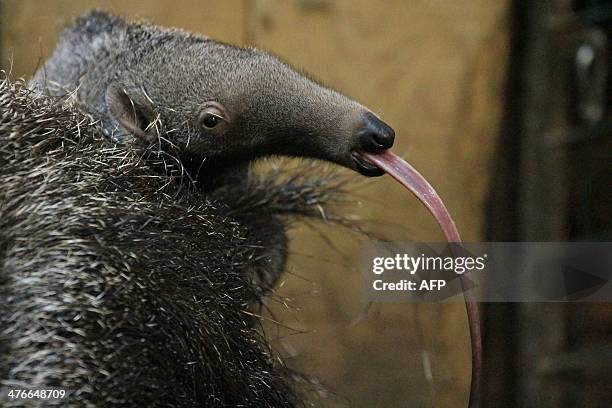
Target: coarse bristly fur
[{"x": 122, "y": 282}]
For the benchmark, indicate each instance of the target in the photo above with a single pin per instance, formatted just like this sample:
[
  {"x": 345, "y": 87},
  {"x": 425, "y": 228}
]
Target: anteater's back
[{"x": 125, "y": 285}]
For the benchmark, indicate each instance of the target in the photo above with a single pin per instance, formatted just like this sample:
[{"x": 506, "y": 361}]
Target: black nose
[{"x": 374, "y": 135}]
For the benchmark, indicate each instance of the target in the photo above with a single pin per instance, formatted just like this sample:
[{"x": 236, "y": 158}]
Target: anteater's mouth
[{"x": 365, "y": 167}]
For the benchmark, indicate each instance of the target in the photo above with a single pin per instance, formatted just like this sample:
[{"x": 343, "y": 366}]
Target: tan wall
[{"x": 434, "y": 70}]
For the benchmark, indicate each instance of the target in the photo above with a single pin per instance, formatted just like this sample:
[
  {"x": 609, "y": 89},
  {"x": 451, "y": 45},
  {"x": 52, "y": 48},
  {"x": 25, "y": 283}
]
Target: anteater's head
[{"x": 214, "y": 101}]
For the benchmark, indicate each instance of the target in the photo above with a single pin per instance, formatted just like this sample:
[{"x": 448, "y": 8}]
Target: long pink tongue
[{"x": 410, "y": 178}]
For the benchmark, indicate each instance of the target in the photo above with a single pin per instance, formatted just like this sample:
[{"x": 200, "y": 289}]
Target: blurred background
[{"x": 505, "y": 106}]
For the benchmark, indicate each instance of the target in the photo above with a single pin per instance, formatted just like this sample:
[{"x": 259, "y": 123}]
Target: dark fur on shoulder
[{"x": 121, "y": 281}]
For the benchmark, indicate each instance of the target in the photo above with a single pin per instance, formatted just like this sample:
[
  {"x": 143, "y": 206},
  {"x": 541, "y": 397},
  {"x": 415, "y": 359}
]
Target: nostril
[
  {"x": 384, "y": 140},
  {"x": 374, "y": 135}
]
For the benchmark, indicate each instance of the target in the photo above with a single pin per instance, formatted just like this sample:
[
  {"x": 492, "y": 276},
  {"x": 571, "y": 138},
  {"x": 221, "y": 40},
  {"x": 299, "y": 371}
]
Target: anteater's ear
[{"x": 135, "y": 115}]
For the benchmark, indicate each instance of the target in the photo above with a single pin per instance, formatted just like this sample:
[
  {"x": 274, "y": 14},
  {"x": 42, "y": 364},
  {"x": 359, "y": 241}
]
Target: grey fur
[
  {"x": 124, "y": 283},
  {"x": 124, "y": 280},
  {"x": 170, "y": 76}
]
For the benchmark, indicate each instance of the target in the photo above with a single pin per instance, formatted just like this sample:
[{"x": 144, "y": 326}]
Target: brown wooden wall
[{"x": 434, "y": 70}]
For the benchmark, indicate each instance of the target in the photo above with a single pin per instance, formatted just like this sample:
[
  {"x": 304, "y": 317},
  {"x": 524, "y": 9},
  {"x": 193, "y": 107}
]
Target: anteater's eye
[
  {"x": 212, "y": 116},
  {"x": 210, "y": 120}
]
